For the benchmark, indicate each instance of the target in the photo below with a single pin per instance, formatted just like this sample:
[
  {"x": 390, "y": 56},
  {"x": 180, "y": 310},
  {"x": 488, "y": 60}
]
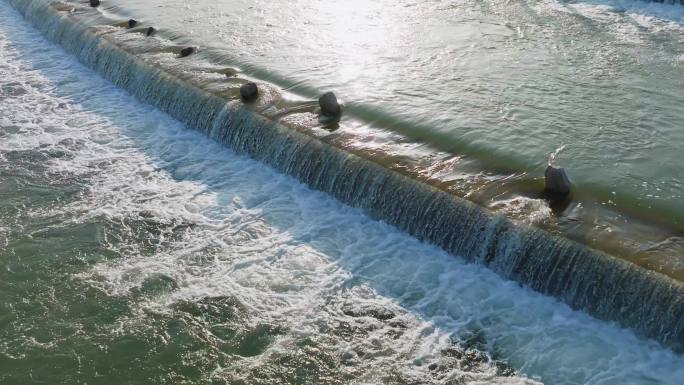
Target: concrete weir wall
[{"x": 604, "y": 286}]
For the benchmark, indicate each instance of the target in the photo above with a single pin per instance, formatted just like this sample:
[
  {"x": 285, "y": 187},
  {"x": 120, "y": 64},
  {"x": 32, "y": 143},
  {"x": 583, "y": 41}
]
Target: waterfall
[{"x": 604, "y": 286}]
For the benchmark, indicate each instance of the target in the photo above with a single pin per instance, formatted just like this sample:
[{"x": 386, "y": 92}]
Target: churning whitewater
[
  {"x": 156, "y": 255},
  {"x": 606, "y": 287}
]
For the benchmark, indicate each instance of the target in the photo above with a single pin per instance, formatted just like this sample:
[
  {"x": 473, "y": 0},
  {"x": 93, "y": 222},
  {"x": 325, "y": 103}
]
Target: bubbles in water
[
  {"x": 247, "y": 276},
  {"x": 523, "y": 209}
]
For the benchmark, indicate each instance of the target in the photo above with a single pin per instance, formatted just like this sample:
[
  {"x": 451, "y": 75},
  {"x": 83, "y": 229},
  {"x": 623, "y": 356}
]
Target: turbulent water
[
  {"x": 508, "y": 81},
  {"x": 479, "y": 98},
  {"x": 135, "y": 250}
]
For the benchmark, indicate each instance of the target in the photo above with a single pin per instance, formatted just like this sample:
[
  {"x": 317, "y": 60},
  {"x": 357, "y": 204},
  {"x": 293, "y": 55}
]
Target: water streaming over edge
[
  {"x": 176, "y": 233},
  {"x": 603, "y": 286}
]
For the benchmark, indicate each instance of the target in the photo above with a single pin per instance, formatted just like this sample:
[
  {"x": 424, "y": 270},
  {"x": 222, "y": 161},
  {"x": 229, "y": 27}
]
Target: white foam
[
  {"x": 292, "y": 256},
  {"x": 523, "y": 209}
]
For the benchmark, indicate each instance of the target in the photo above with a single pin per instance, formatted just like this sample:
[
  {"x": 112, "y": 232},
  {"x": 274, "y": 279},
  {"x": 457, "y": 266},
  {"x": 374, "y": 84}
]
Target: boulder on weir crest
[
  {"x": 249, "y": 92},
  {"x": 330, "y": 107},
  {"x": 556, "y": 182},
  {"x": 187, "y": 51}
]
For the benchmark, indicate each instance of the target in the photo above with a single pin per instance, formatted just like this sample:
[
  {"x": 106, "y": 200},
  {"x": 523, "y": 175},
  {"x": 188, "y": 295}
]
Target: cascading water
[
  {"x": 137, "y": 251},
  {"x": 601, "y": 285}
]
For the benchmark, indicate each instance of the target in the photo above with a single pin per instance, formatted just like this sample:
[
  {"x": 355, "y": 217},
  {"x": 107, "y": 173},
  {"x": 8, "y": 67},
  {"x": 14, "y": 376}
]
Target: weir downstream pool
[{"x": 186, "y": 251}]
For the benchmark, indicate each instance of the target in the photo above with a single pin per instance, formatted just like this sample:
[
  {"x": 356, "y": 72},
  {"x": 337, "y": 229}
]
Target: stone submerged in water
[
  {"x": 94, "y": 3},
  {"x": 557, "y": 183},
  {"x": 329, "y": 105},
  {"x": 229, "y": 72},
  {"x": 249, "y": 91},
  {"x": 187, "y": 51},
  {"x": 132, "y": 23},
  {"x": 150, "y": 31}
]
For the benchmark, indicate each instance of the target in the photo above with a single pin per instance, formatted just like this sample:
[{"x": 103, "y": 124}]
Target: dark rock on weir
[
  {"x": 132, "y": 23},
  {"x": 94, "y": 3},
  {"x": 249, "y": 91},
  {"x": 187, "y": 51},
  {"x": 150, "y": 31},
  {"x": 557, "y": 183},
  {"x": 329, "y": 105}
]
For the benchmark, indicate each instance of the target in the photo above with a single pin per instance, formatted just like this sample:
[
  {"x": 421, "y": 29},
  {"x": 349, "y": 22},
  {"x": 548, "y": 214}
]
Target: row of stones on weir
[
  {"x": 557, "y": 185},
  {"x": 248, "y": 148},
  {"x": 249, "y": 92}
]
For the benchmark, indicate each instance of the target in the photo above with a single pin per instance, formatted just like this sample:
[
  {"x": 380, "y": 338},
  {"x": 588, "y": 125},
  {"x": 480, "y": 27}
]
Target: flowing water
[
  {"x": 497, "y": 86},
  {"x": 507, "y": 80},
  {"x": 135, "y": 250}
]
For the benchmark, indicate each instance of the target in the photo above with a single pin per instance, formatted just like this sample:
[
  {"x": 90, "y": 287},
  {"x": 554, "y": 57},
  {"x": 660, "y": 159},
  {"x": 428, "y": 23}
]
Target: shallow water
[
  {"x": 135, "y": 250},
  {"x": 478, "y": 100},
  {"x": 508, "y": 82}
]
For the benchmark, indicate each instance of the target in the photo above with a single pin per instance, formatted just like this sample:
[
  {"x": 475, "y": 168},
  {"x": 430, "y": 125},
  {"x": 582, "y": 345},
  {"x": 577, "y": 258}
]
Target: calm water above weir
[
  {"x": 136, "y": 251},
  {"x": 506, "y": 80},
  {"x": 497, "y": 86}
]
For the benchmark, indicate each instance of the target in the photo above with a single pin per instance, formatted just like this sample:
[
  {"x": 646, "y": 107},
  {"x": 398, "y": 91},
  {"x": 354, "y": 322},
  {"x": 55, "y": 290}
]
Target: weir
[{"x": 604, "y": 286}]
